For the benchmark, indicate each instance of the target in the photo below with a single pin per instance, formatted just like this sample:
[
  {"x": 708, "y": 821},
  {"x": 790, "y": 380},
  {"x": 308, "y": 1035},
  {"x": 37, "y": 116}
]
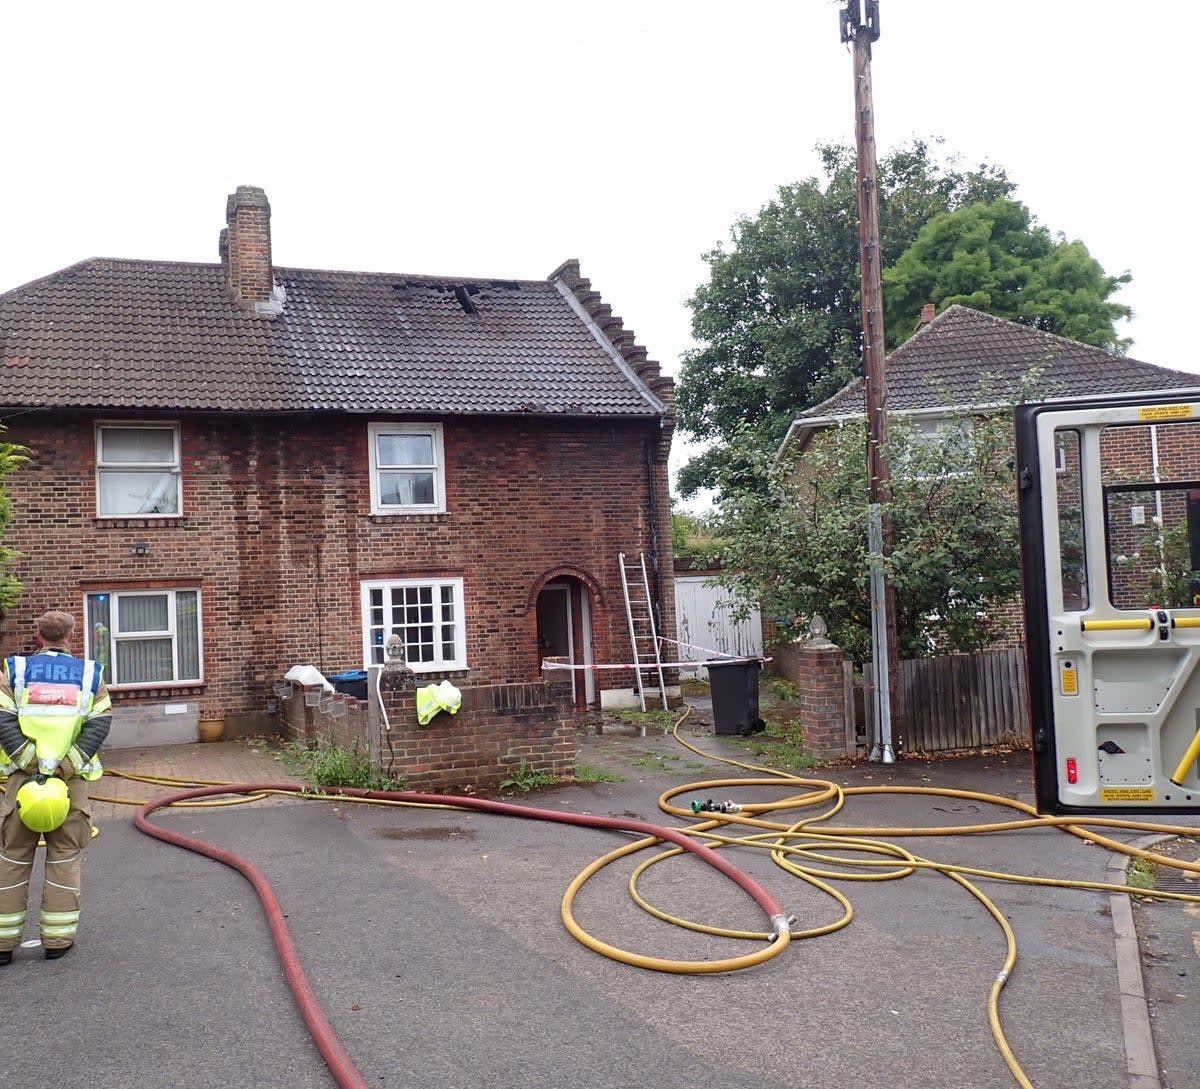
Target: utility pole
[{"x": 860, "y": 27}]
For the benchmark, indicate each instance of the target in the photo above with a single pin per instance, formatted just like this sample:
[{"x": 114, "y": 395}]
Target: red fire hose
[{"x": 340, "y": 1065}]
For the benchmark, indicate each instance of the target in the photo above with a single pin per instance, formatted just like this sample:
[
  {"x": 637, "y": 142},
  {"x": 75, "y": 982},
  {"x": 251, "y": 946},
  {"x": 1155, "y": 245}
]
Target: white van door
[{"x": 1110, "y": 553}]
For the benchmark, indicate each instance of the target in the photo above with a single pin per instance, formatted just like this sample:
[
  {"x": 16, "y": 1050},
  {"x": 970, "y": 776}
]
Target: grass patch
[
  {"x": 780, "y": 745},
  {"x": 781, "y": 689},
  {"x": 586, "y": 774},
  {"x": 658, "y": 718},
  {"x": 325, "y": 765},
  {"x": 655, "y": 759},
  {"x": 526, "y": 778},
  {"x": 1140, "y": 874}
]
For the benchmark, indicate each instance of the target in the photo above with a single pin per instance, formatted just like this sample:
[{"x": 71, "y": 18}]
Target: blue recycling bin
[
  {"x": 733, "y": 683},
  {"x": 352, "y": 683}
]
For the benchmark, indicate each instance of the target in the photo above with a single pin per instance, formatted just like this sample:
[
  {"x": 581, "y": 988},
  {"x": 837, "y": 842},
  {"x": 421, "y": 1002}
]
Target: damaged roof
[{"x": 154, "y": 335}]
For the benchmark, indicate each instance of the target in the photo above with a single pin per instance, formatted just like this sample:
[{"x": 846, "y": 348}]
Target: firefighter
[{"x": 55, "y": 713}]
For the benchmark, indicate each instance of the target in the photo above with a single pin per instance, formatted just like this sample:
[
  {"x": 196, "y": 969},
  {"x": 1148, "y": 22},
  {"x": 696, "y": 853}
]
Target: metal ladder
[{"x": 639, "y": 612}]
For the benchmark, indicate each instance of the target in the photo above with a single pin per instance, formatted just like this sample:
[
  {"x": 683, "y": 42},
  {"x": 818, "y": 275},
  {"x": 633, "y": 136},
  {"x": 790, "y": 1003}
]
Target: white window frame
[
  {"x": 173, "y": 467},
  {"x": 437, "y": 468},
  {"x": 375, "y": 634},
  {"x": 108, "y": 654}
]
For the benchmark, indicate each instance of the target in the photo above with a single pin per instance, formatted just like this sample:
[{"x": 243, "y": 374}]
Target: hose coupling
[
  {"x": 715, "y": 807},
  {"x": 781, "y": 924}
]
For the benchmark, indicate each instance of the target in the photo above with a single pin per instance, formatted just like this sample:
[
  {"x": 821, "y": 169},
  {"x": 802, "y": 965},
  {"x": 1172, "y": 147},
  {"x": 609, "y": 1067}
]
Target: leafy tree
[
  {"x": 992, "y": 257},
  {"x": 799, "y": 547},
  {"x": 692, "y": 535},
  {"x": 779, "y": 319},
  {"x": 12, "y": 457}
]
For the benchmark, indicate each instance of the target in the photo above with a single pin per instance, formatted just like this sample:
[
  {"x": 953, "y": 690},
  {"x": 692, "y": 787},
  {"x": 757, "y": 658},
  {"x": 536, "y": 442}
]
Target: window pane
[
  {"x": 99, "y": 627},
  {"x": 187, "y": 624},
  {"x": 138, "y": 493},
  {"x": 396, "y": 450},
  {"x": 406, "y": 489},
  {"x": 142, "y": 661},
  {"x": 1073, "y": 568},
  {"x": 1154, "y": 547},
  {"x": 143, "y": 612},
  {"x": 137, "y": 445}
]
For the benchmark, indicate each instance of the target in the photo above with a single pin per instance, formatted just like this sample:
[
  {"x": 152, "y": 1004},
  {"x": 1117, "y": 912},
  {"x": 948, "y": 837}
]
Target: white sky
[{"x": 499, "y": 139}]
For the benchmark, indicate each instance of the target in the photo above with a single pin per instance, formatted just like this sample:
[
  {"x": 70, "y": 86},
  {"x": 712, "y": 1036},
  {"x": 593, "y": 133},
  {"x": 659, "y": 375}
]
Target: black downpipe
[{"x": 649, "y": 446}]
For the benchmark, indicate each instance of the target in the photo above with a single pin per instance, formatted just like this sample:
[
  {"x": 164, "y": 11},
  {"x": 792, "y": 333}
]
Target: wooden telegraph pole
[{"x": 860, "y": 27}]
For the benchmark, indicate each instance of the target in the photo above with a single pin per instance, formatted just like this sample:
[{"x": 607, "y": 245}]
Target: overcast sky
[{"x": 499, "y": 139}]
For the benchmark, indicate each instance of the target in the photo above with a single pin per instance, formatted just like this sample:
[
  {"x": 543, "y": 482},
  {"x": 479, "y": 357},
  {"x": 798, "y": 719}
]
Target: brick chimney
[{"x": 245, "y": 249}]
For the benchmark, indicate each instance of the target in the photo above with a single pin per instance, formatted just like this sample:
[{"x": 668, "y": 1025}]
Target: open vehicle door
[{"x": 1109, "y": 514}]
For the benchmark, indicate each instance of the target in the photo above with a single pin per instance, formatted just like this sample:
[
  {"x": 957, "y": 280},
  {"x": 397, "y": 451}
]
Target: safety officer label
[{"x": 1127, "y": 794}]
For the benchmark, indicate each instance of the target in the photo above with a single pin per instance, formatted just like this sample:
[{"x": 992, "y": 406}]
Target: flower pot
[{"x": 212, "y": 729}]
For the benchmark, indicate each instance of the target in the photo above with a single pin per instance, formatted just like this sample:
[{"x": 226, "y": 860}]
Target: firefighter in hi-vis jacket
[{"x": 55, "y": 713}]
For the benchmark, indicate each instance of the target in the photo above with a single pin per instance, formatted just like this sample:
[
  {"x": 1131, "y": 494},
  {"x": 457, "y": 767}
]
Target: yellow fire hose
[{"x": 816, "y": 852}]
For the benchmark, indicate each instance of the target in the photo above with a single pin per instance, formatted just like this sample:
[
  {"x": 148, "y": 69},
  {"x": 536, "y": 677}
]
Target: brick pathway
[{"x": 114, "y": 795}]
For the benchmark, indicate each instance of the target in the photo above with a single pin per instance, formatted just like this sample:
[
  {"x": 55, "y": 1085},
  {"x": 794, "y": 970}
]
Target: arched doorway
[{"x": 564, "y": 630}]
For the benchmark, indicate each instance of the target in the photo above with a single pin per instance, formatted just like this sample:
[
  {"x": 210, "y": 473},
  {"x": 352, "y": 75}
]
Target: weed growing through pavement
[
  {"x": 586, "y": 774},
  {"x": 324, "y": 764},
  {"x": 526, "y": 778},
  {"x": 1140, "y": 874}
]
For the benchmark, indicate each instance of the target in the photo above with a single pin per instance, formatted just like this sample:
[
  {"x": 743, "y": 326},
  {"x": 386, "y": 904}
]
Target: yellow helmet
[{"x": 43, "y": 803}]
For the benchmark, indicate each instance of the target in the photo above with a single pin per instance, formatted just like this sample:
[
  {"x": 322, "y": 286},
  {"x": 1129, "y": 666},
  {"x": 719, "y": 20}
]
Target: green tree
[
  {"x": 692, "y": 535},
  {"x": 779, "y": 322},
  {"x": 799, "y": 546},
  {"x": 12, "y": 457},
  {"x": 993, "y": 257}
]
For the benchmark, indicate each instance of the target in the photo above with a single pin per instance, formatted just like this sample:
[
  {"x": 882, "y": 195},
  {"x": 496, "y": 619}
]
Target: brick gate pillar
[{"x": 826, "y": 682}]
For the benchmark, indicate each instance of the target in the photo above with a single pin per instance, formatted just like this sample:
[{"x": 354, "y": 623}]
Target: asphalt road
[{"x": 433, "y": 940}]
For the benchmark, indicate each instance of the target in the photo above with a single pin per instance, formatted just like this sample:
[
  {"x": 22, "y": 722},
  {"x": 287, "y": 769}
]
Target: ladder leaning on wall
[{"x": 643, "y": 637}]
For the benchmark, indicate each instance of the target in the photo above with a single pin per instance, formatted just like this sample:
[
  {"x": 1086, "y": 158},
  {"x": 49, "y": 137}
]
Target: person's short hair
[{"x": 55, "y": 626}]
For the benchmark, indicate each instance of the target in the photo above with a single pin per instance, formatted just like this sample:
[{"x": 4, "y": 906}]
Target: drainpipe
[{"x": 649, "y": 446}]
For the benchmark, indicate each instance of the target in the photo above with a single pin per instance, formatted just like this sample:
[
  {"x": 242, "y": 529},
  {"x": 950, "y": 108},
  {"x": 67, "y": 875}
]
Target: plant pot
[{"x": 212, "y": 729}]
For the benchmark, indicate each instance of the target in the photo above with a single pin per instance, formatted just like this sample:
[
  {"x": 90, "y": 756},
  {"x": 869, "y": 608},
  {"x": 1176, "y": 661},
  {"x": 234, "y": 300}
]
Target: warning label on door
[
  {"x": 1127, "y": 794},
  {"x": 1165, "y": 412}
]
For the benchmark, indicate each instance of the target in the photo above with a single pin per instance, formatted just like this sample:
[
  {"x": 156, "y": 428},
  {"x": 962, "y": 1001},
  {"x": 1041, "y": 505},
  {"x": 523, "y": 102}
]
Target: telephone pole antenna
[{"x": 859, "y": 28}]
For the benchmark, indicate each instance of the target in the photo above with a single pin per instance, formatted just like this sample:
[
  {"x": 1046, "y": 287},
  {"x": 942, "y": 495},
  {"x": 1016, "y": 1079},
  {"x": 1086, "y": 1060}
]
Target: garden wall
[{"x": 497, "y": 728}]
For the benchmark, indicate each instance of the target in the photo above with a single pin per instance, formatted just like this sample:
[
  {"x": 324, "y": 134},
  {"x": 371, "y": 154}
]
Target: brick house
[
  {"x": 238, "y": 468},
  {"x": 966, "y": 363}
]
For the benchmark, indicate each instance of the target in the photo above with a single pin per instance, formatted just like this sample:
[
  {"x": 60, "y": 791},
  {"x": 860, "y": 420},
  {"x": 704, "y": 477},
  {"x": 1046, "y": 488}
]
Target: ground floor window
[
  {"x": 145, "y": 636},
  {"x": 427, "y": 614}
]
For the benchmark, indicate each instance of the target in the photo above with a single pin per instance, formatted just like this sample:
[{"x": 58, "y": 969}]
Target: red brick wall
[
  {"x": 496, "y": 729},
  {"x": 277, "y": 533}
]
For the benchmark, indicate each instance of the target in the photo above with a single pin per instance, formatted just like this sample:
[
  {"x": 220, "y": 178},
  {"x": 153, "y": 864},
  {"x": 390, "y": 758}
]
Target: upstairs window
[
  {"x": 145, "y": 636},
  {"x": 137, "y": 470},
  {"x": 407, "y": 469}
]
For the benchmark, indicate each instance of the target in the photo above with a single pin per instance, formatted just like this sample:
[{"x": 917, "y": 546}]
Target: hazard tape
[{"x": 652, "y": 665}]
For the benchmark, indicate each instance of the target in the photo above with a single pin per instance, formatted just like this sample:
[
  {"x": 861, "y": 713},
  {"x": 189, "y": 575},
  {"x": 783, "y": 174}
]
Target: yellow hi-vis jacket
[
  {"x": 437, "y": 697},
  {"x": 53, "y": 707}
]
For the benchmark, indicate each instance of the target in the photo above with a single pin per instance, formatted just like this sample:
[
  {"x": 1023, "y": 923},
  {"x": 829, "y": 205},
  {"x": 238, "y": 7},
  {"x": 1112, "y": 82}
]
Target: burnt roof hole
[{"x": 463, "y": 294}]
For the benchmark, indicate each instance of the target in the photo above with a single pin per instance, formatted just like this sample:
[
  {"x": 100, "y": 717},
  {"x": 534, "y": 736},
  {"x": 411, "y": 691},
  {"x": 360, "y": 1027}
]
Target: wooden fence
[{"x": 962, "y": 701}]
